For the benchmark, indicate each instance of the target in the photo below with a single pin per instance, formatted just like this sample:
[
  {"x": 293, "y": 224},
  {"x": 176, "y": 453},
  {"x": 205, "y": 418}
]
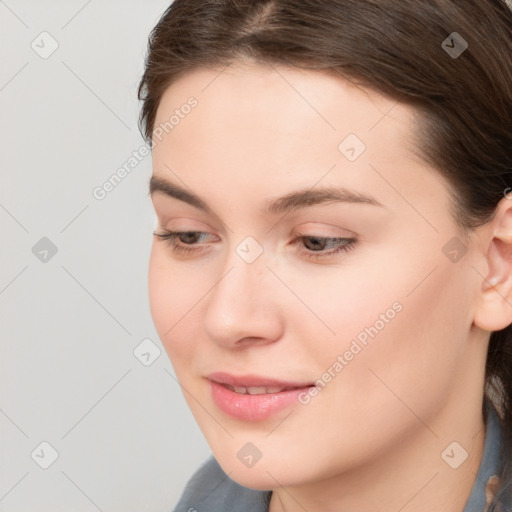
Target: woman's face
[{"x": 288, "y": 285}]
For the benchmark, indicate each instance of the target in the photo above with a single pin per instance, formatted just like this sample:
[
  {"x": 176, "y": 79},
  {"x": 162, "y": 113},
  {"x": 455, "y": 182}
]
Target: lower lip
[{"x": 253, "y": 407}]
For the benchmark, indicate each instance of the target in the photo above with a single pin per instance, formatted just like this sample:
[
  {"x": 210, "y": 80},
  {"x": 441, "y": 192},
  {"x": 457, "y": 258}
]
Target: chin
[
  {"x": 264, "y": 475},
  {"x": 253, "y": 478}
]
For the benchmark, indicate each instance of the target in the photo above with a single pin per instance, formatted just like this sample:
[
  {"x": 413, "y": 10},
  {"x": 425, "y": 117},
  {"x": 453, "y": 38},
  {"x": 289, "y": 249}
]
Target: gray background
[{"x": 70, "y": 322}]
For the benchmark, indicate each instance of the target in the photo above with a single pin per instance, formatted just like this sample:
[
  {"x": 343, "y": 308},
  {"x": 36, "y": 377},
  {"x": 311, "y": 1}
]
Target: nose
[{"x": 242, "y": 308}]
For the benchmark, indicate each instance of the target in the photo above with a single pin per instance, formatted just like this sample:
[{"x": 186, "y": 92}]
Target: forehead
[
  {"x": 278, "y": 94},
  {"x": 264, "y": 128},
  {"x": 269, "y": 110}
]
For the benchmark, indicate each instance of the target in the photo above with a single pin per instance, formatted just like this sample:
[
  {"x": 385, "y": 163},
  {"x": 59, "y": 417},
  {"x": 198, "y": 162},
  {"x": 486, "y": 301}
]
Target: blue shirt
[{"x": 211, "y": 490}]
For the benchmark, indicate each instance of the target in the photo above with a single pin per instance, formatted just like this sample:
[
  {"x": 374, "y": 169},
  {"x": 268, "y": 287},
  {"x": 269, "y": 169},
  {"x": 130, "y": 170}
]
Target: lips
[{"x": 251, "y": 397}]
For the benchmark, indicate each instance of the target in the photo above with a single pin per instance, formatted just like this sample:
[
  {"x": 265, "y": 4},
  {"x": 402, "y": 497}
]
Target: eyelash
[{"x": 170, "y": 238}]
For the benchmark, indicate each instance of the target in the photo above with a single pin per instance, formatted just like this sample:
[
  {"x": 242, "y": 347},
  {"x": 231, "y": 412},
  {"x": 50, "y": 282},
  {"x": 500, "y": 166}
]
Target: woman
[{"x": 331, "y": 274}]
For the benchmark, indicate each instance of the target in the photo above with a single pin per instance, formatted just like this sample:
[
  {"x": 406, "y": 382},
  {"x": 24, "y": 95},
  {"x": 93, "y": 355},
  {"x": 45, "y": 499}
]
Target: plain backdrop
[{"x": 85, "y": 424}]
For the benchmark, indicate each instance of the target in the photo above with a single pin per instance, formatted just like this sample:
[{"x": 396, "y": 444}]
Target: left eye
[{"x": 318, "y": 244}]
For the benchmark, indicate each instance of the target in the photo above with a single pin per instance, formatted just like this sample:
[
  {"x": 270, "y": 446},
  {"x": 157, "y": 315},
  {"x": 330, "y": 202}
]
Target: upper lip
[{"x": 248, "y": 381}]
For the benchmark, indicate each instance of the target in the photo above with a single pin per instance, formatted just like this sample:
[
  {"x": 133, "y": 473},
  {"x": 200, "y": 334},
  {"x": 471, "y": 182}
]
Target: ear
[{"x": 493, "y": 310}]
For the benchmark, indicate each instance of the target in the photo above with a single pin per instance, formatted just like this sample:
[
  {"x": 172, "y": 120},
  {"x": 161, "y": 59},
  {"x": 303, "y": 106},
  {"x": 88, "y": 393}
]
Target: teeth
[
  {"x": 256, "y": 390},
  {"x": 275, "y": 390}
]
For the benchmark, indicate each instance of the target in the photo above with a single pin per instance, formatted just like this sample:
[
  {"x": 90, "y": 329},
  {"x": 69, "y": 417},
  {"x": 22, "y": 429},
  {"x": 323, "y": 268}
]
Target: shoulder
[{"x": 211, "y": 490}]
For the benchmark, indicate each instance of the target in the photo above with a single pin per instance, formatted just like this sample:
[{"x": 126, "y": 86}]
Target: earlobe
[{"x": 494, "y": 309}]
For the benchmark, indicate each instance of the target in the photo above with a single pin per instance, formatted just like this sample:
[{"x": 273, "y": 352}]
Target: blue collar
[{"x": 487, "y": 478}]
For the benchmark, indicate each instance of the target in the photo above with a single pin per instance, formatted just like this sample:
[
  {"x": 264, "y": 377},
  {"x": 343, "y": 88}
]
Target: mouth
[{"x": 253, "y": 398}]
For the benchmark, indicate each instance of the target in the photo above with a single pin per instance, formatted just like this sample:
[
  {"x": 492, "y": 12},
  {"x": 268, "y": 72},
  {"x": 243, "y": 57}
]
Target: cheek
[
  {"x": 415, "y": 359},
  {"x": 333, "y": 305},
  {"x": 158, "y": 278},
  {"x": 171, "y": 297},
  {"x": 402, "y": 328}
]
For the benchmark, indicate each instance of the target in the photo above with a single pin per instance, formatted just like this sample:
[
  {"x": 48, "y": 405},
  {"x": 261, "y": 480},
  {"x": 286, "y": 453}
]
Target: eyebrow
[{"x": 287, "y": 203}]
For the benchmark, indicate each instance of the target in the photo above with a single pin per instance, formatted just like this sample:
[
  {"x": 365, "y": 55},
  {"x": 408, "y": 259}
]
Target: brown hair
[{"x": 394, "y": 47}]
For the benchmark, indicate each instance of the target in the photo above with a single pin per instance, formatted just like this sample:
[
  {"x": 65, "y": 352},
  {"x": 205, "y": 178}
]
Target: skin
[{"x": 372, "y": 439}]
